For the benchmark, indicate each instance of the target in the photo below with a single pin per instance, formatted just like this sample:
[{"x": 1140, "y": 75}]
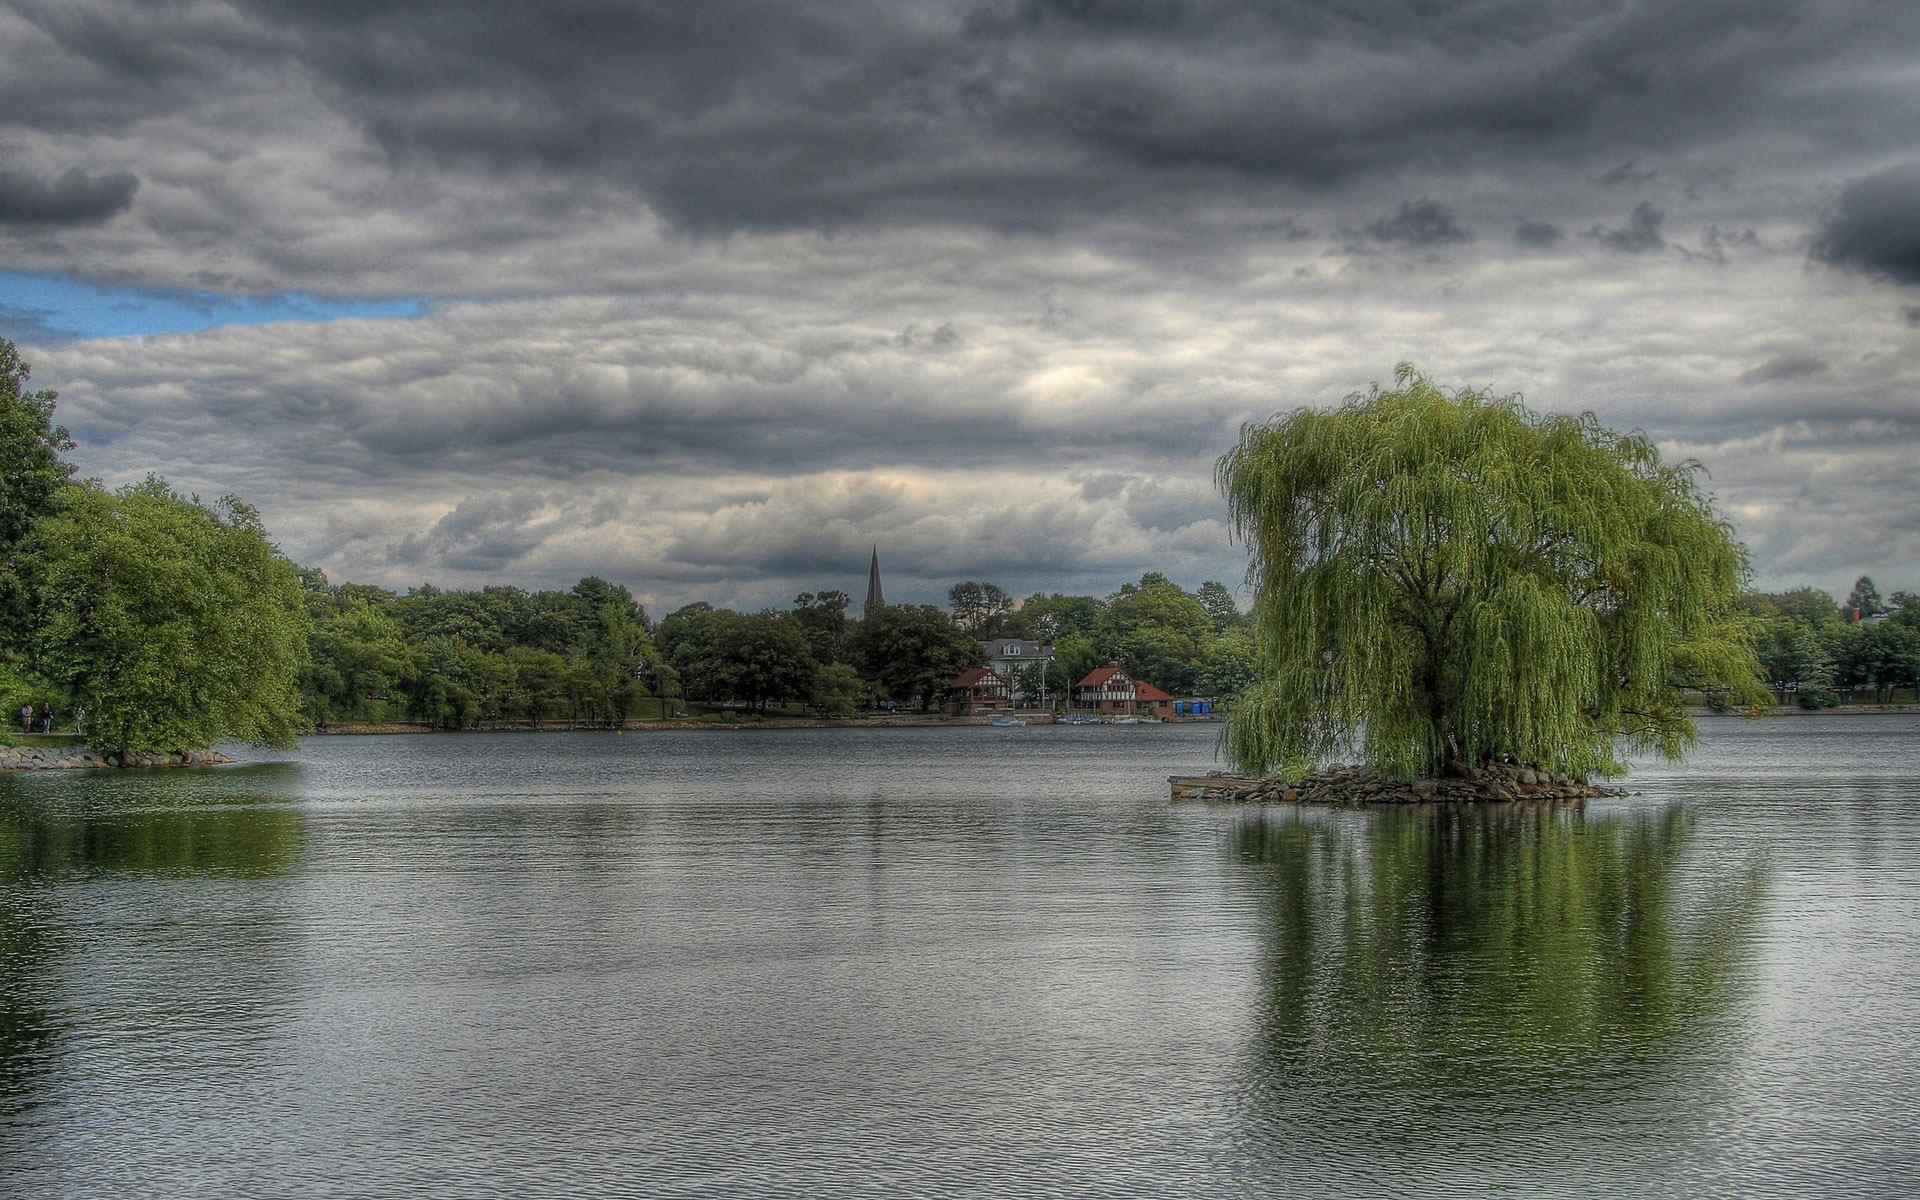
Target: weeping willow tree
[{"x": 1445, "y": 578}]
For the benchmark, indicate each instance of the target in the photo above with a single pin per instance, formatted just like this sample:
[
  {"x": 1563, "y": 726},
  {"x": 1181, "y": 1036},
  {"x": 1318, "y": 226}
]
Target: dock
[{"x": 1216, "y": 786}]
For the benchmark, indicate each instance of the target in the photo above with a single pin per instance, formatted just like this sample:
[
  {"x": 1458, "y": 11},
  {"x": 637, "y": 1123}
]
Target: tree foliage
[
  {"x": 979, "y": 608},
  {"x": 31, "y": 474},
  {"x": 1073, "y": 656},
  {"x": 759, "y": 660},
  {"x": 1448, "y": 576},
  {"x": 1864, "y": 599},
  {"x": 1052, "y": 617},
  {"x": 1878, "y": 657},
  {"x": 910, "y": 652},
  {"x": 837, "y": 691},
  {"x": 823, "y": 618},
  {"x": 1157, "y": 631},
  {"x": 1218, "y": 601},
  {"x": 1817, "y": 655},
  {"x": 30, "y": 448},
  {"x": 458, "y": 658},
  {"x": 168, "y": 624}
]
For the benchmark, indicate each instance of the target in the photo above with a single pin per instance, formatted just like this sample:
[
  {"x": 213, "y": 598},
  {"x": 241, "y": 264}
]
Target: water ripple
[{"x": 954, "y": 963}]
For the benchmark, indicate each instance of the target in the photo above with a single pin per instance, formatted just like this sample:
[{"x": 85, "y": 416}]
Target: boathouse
[
  {"x": 978, "y": 690},
  {"x": 1110, "y": 689}
]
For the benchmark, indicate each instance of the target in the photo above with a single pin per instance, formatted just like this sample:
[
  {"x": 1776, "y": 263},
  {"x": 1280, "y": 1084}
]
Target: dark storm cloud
[
  {"x": 1787, "y": 368},
  {"x": 1640, "y": 235},
  {"x": 988, "y": 282},
  {"x": 72, "y": 198},
  {"x": 730, "y": 115},
  {"x": 1538, "y": 233},
  {"x": 1626, "y": 174},
  {"x": 1875, "y": 227},
  {"x": 1716, "y": 243},
  {"x": 1420, "y": 222}
]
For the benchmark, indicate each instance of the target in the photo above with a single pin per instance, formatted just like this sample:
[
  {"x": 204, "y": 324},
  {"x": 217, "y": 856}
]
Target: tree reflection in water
[
  {"x": 55, "y": 835},
  {"x": 1426, "y": 966}
]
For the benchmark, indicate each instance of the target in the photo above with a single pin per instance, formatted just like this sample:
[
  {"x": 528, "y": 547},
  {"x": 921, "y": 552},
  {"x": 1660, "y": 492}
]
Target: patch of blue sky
[{"x": 53, "y": 308}]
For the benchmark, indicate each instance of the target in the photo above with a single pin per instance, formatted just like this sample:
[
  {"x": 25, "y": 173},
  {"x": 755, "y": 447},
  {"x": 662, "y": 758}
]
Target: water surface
[{"x": 954, "y": 962}]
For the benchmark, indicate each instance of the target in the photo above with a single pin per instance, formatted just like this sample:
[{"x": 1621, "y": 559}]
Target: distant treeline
[
  {"x": 150, "y": 620},
  {"x": 591, "y": 655},
  {"x": 1818, "y": 653}
]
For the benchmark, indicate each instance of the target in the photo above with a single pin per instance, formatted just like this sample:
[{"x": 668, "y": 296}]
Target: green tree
[
  {"x": 1864, "y": 599},
  {"x": 1443, "y": 577},
  {"x": 170, "y": 625},
  {"x": 1218, "y": 601},
  {"x": 767, "y": 661},
  {"x": 1881, "y": 656},
  {"x": 690, "y": 638},
  {"x": 978, "y": 607},
  {"x": 822, "y": 616},
  {"x": 836, "y": 691},
  {"x": 1050, "y": 618},
  {"x": 1796, "y": 660},
  {"x": 611, "y": 652},
  {"x": 540, "y": 683},
  {"x": 1073, "y": 657},
  {"x": 359, "y": 663},
  {"x": 910, "y": 652},
  {"x": 1157, "y": 631},
  {"x": 718, "y": 654},
  {"x": 1228, "y": 668},
  {"x": 1807, "y": 605},
  {"x": 1031, "y": 679},
  {"x": 31, "y": 474},
  {"x": 31, "y": 469}
]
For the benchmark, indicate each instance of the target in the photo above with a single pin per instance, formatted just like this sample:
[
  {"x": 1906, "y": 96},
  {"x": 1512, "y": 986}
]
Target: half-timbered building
[
  {"x": 978, "y": 690},
  {"x": 1110, "y": 689}
]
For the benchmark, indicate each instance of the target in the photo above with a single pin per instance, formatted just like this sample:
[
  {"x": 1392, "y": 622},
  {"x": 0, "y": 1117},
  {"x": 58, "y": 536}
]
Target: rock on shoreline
[
  {"x": 1495, "y": 783},
  {"x": 57, "y": 758}
]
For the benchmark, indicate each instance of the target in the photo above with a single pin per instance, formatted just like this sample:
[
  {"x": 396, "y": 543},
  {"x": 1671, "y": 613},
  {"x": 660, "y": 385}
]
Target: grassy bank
[{"x": 41, "y": 740}]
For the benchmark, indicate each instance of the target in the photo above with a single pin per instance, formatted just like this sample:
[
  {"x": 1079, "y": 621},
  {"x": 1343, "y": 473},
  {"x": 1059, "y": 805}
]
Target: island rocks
[
  {"x": 1346, "y": 786},
  {"x": 54, "y": 758}
]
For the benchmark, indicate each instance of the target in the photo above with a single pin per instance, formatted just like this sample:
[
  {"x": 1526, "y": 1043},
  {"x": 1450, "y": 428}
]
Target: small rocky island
[
  {"x": 1493, "y": 783},
  {"x": 54, "y": 758}
]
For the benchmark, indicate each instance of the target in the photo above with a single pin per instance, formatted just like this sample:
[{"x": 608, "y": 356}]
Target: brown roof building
[
  {"x": 976, "y": 690},
  {"x": 1110, "y": 689}
]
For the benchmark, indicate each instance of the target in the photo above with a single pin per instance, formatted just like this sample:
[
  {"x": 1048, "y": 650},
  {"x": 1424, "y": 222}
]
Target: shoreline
[
  {"x": 912, "y": 721},
  {"x": 641, "y": 725},
  {"x": 1794, "y": 710},
  {"x": 83, "y": 758}
]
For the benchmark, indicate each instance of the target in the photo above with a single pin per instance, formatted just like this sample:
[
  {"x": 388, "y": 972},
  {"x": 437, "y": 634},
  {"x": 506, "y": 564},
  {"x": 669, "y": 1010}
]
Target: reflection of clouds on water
[{"x": 1436, "y": 975}]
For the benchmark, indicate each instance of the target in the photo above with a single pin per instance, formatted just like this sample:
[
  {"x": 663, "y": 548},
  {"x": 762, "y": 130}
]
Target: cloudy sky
[{"x": 710, "y": 297}]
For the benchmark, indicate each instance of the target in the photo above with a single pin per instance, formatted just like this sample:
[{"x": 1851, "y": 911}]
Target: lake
[{"x": 954, "y": 962}]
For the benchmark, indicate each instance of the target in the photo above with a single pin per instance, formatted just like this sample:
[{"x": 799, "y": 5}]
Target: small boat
[
  {"x": 1123, "y": 721},
  {"x": 1006, "y": 722},
  {"x": 1077, "y": 719}
]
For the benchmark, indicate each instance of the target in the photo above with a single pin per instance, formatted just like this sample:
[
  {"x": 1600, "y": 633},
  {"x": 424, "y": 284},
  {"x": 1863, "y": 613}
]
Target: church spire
[{"x": 874, "y": 598}]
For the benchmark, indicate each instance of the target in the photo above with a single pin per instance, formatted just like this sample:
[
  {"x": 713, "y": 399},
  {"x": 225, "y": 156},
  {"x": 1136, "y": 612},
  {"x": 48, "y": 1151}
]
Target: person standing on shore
[
  {"x": 46, "y": 722},
  {"x": 26, "y": 718}
]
